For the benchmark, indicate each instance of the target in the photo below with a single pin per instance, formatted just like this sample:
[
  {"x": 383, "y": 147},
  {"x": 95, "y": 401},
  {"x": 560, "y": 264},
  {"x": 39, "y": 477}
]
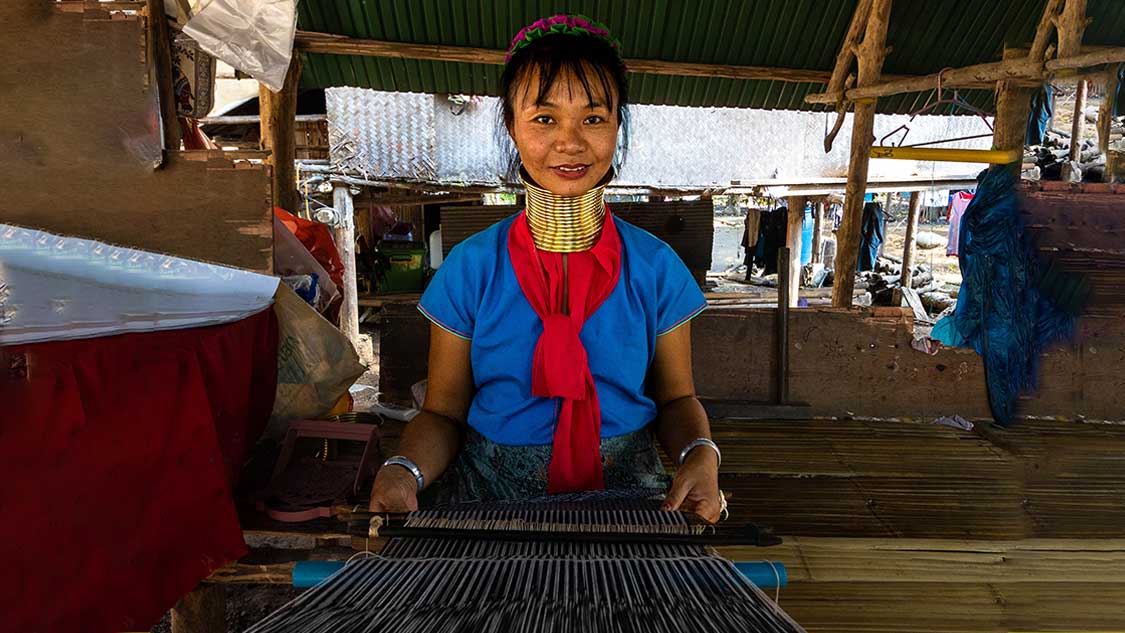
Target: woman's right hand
[{"x": 395, "y": 490}]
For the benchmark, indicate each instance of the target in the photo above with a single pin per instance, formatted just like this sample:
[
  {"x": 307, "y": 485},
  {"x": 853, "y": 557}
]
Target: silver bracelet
[
  {"x": 700, "y": 442},
  {"x": 408, "y": 464}
]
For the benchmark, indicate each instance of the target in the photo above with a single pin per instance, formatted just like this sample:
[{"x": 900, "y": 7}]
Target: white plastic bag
[{"x": 254, "y": 36}]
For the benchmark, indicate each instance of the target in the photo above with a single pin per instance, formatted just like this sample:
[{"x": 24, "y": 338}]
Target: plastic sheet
[
  {"x": 254, "y": 36},
  {"x": 57, "y": 288}
]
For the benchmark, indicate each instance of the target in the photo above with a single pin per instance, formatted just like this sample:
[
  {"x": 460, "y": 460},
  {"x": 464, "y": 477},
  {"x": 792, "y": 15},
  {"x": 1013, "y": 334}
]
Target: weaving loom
[{"x": 548, "y": 584}]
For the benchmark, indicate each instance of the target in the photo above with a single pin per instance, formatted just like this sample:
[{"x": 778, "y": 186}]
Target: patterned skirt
[{"x": 487, "y": 471}]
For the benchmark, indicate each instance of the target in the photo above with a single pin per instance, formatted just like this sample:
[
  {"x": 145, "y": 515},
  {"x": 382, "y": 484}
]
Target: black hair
[{"x": 591, "y": 60}]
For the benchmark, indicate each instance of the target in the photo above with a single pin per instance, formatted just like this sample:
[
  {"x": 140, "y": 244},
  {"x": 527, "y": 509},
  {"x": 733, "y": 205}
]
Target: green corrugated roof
[{"x": 925, "y": 35}]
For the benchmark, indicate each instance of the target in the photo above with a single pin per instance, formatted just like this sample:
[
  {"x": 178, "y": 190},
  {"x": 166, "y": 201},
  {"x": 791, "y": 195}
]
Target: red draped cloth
[
  {"x": 117, "y": 460},
  {"x": 560, "y": 367}
]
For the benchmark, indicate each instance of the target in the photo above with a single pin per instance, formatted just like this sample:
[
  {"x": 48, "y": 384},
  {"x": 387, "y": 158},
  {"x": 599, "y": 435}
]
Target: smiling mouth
[{"x": 572, "y": 169}]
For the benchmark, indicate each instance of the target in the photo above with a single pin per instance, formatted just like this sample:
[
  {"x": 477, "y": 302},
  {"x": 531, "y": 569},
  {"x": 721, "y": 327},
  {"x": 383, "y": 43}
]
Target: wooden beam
[
  {"x": 1043, "y": 31},
  {"x": 1096, "y": 57},
  {"x": 343, "y": 233},
  {"x": 1020, "y": 69},
  {"x": 847, "y": 48},
  {"x": 975, "y": 75},
  {"x": 869, "y": 56},
  {"x": 278, "y": 112},
  {"x": 161, "y": 50},
  {"x": 1013, "y": 106},
  {"x": 1070, "y": 25},
  {"x": 330, "y": 44},
  {"x": 1078, "y": 125},
  {"x": 909, "y": 246},
  {"x": 793, "y": 231}
]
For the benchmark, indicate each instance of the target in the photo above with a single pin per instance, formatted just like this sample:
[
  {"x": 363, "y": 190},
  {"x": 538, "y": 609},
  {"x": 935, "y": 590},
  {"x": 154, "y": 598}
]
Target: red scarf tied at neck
[{"x": 560, "y": 368}]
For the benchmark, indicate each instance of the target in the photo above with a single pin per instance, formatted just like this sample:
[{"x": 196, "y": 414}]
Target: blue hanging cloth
[
  {"x": 871, "y": 236},
  {"x": 1042, "y": 108},
  {"x": 1002, "y": 309}
]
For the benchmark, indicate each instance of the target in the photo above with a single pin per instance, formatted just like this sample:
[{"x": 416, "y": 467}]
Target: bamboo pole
[
  {"x": 1078, "y": 125},
  {"x": 909, "y": 246},
  {"x": 869, "y": 55},
  {"x": 278, "y": 112},
  {"x": 344, "y": 236},
  {"x": 793, "y": 232}
]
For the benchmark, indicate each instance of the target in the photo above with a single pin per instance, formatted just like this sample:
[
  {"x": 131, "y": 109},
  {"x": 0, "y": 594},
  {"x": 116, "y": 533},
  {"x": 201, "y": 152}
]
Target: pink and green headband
[{"x": 561, "y": 24}]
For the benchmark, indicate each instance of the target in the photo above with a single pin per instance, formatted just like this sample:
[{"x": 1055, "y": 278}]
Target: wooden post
[
  {"x": 784, "y": 259},
  {"x": 201, "y": 611},
  {"x": 1070, "y": 25},
  {"x": 344, "y": 236},
  {"x": 1079, "y": 124},
  {"x": 793, "y": 240},
  {"x": 911, "y": 231},
  {"x": 1105, "y": 112},
  {"x": 278, "y": 111},
  {"x": 161, "y": 51},
  {"x": 818, "y": 224},
  {"x": 869, "y": 56},
  {"x": 1013, "y": 106}
]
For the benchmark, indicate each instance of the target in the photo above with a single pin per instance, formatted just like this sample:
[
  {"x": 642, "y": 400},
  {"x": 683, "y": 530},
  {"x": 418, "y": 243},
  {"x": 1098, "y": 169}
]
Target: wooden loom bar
[{"x": 869, "y": 55}]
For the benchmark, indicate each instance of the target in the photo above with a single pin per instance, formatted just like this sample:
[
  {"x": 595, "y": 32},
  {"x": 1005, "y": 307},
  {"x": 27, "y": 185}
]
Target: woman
[{"x": 560, "y": 337}]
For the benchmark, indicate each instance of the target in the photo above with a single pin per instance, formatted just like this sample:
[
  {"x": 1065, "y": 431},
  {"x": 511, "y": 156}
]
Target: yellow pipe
[{"x": 947, "y": 155}]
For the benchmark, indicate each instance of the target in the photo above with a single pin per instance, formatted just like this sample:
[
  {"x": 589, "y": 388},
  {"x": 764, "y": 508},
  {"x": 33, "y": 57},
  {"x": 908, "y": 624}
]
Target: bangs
[{"x": 595, "y": 79}]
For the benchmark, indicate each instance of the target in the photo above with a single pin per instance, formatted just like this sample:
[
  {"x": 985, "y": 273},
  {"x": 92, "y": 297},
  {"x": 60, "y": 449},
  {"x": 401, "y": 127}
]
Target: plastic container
[{"x": 406, "y": 267}]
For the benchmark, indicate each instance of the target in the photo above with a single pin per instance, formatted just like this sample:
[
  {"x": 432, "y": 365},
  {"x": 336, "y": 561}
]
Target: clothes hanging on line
[
  {"x": 953, "y": 214},
  {"x": 771, "y": 236}
]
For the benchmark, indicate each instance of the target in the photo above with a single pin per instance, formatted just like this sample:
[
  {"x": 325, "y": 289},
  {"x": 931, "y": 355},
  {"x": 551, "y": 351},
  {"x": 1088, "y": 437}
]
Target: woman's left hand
[{"x": 696, "y": 486}]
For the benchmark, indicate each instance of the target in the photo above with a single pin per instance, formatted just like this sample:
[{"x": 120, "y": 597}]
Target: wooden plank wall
[
  {"x": 79, "y": 133},
  {"x": 844, "y": 363},
  {"x": 1083, "y": 226}
]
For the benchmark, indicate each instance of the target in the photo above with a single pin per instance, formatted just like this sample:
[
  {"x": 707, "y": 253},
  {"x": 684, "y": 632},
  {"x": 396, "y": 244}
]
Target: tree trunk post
[{"x": 909, "y": 246}]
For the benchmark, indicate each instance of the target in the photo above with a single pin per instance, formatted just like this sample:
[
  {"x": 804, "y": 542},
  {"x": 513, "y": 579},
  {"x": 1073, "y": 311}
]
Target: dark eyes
[{"x": 544, "y": 119}]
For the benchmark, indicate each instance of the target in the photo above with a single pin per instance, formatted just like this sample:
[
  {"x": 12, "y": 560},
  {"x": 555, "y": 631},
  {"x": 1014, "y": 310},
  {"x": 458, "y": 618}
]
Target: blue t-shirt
[{"x": 475, "y": 295}]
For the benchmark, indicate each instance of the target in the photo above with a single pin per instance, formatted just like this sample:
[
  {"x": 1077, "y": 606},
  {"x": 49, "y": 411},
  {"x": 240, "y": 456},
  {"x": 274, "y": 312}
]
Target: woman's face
[{"x": 566, "y": 142}]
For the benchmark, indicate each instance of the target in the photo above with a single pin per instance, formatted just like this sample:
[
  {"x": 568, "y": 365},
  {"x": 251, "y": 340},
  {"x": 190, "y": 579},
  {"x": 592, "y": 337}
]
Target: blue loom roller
[
  {"x": 309, "y": 573},
  {"x": 766, "y": 575}
]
